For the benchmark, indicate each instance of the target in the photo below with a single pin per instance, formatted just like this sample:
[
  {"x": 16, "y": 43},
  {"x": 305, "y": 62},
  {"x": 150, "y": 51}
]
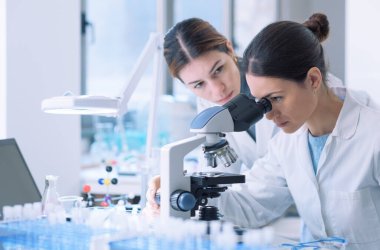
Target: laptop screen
[{"x": 17, "y": 185}]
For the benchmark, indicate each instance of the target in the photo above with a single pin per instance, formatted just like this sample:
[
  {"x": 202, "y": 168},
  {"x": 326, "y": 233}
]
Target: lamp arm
[
  {"x": 153, "y": 107},
  {"x": 152, "y": 46}
]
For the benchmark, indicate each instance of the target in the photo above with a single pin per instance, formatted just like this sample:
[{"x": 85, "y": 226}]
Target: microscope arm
[{"x": 172, "y": 176}]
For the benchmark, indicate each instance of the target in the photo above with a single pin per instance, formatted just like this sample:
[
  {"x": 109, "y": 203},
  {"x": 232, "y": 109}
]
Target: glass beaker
[
  {"x": 50, "y": 195},
  {"x": 70, "y": 202}
]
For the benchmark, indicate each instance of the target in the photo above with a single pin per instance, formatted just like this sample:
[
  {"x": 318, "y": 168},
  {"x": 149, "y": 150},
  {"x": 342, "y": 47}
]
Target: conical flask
[{"x": 50, "y": 195}]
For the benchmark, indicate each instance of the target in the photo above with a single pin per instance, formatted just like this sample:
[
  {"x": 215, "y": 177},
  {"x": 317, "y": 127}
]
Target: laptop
[{"x": 17, "y": 185}]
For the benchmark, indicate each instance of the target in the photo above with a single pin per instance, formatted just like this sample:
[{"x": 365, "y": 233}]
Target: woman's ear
[
  {"x": 231, "y": 51},
  {"x": 314, "y": 78},
  {"x": 230, "y": 47}
]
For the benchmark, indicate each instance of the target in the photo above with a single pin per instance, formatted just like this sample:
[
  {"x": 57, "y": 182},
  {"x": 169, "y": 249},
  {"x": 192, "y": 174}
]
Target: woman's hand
[{"x": 152, "y": 208}]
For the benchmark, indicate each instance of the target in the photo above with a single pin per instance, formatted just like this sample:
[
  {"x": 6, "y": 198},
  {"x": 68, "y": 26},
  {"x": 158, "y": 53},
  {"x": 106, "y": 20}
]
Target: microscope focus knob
[{"x": 182, "y": 200}]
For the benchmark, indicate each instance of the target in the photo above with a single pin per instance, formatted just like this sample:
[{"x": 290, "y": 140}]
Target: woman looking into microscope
[
  {"x": 326, "y": 158},
  {"x": 205, "y": 62}
]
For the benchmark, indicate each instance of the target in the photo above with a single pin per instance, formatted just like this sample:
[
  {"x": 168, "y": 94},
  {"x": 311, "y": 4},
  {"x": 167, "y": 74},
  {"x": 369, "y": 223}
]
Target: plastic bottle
[{"x": 50, "y": 195}]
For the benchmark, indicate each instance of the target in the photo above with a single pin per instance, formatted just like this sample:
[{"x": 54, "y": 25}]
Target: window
[
  {"x": 249, "y": 18},
  {"x": 119, "y": 37},
  {"x": 114, "y": 41},
  {"x": 120, "y": 31}
]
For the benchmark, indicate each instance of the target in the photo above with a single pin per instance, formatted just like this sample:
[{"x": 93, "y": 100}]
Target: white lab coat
[{"x": 341, "y": 199}]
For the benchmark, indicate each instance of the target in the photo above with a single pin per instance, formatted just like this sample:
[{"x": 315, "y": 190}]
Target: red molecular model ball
[
  {"x": 86, "y": 188},
  {"x": 104, "y": 204}
]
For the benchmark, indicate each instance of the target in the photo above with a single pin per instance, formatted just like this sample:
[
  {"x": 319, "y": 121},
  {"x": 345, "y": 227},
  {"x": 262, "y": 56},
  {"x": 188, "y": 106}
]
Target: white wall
[
  {"x": 363, "y": 46},
  {"x": 2, "y": 68},
  {"x": 42, "y": 60}
]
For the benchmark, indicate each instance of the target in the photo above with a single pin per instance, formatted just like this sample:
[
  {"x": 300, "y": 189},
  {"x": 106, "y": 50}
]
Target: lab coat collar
[{"x": 348, "y": 118}]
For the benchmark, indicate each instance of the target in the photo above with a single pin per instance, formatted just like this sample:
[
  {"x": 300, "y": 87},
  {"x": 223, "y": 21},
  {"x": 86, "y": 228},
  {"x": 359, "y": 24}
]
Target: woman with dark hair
[
  {"x": 205, "y": 62},
  {"x": 326, "y": 158}
]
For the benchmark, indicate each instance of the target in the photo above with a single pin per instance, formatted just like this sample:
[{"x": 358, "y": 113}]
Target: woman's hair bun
[{"x": 319, "y": 25}]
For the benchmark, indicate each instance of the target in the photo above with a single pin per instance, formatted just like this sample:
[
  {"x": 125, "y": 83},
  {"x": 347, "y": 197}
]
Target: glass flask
[{"x": 50, "y": 195}]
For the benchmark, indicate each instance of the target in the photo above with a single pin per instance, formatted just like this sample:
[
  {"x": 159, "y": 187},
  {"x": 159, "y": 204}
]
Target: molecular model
[{"x": 107, "y": 181}]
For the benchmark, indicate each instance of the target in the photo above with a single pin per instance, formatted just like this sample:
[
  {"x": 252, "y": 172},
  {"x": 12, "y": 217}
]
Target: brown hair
[
  {"x": 190, "y": 39},
  {"x": 319, "y": 25},
  {"x": 288, "y": 49}
]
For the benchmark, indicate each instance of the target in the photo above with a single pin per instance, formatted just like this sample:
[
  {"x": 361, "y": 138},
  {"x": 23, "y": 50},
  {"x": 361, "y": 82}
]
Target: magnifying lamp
[
  {"x": 117, "y": 106},
  {"x": 81, "y": 105},
  {"x": 110, "y": 106}
]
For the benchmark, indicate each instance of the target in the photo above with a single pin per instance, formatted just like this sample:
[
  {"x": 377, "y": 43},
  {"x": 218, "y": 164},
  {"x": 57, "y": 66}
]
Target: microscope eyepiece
[
  {"x": 267, "y": 105},
  {"x": 245, "y": 111}
]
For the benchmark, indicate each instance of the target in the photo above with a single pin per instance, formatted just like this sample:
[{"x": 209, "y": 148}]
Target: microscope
[{"x": 182, "y": 194}]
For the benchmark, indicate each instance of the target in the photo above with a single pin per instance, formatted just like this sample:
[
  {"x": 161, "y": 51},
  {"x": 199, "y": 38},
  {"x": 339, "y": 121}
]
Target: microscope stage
[{"x": 215, "y": 178}]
